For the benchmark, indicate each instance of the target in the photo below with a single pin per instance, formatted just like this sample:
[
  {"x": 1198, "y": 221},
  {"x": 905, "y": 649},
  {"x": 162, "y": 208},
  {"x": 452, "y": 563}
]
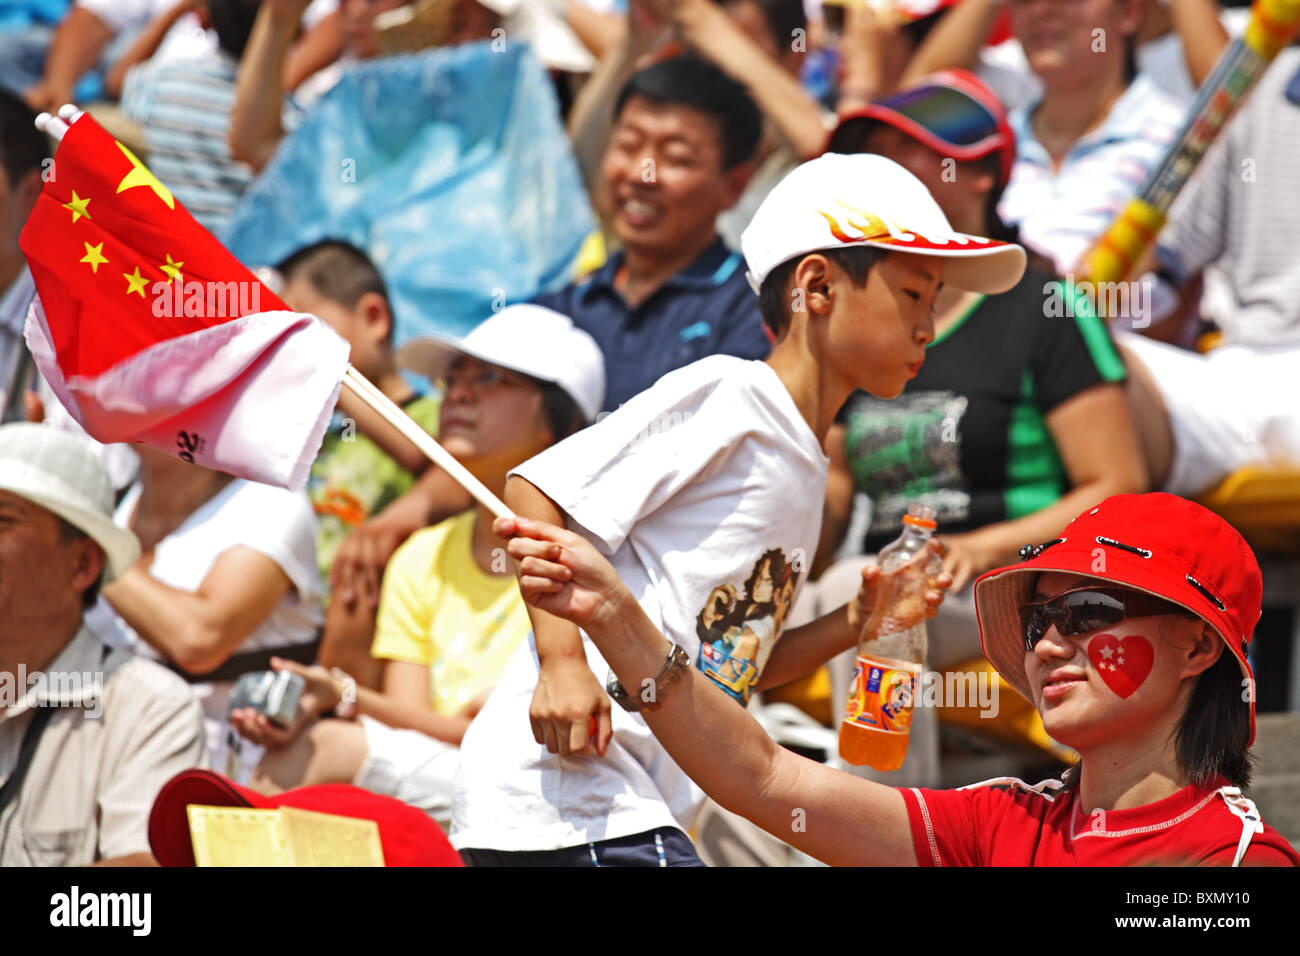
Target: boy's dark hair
[
  {"x": 774, "y": 293},
  {"x": 232, "y": 21},
  {"x": 70, "y": 534},
  {"x": 1213, "y": 735},
  {"x": 699, "y": 85},
  {"x": 22, "y": 146},
  {"x": 562, "y": 412},
  {"x": 337, "y": 270},
  {"x": 783, "y": 17}
]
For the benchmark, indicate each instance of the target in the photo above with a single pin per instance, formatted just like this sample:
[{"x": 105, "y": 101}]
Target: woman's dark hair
[
  {"x": 562, "y": 412},
  {"x": 699, "y": 85},
  {"x": 1213, "y": 735},
  {"x": 774, "y": 293}
]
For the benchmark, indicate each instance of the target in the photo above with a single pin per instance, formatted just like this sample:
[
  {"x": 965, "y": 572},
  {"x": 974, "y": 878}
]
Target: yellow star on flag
[
  {"x": 172, "y": 269},
  {"x": 77, "y": 206},
  {"x": 135, "y": 282},
  {"x": 140, "y": 176},
  {"x": 94, "y": 257}
]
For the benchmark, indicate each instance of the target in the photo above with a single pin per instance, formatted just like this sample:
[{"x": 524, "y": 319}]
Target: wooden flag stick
[{"x": 386, "y": 408}]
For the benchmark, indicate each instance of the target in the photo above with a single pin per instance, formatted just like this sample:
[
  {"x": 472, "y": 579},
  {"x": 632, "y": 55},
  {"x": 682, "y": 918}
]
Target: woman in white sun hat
[
  {"x": 1129, "y": 633},
  {"x": 450, "y": 614}
]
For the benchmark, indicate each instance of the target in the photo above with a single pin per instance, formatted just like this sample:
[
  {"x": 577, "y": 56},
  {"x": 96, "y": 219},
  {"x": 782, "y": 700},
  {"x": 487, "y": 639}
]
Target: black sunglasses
[{"x": 1089, "y": 609}]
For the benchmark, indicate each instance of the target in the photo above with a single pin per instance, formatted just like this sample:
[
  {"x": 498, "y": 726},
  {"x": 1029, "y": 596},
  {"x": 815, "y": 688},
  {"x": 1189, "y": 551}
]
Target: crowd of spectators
[{"x": 382, "y": 585}]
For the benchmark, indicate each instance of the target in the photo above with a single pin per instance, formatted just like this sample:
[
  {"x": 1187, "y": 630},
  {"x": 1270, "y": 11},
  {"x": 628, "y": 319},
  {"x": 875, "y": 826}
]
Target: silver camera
[{"x": 273, "y": 693}]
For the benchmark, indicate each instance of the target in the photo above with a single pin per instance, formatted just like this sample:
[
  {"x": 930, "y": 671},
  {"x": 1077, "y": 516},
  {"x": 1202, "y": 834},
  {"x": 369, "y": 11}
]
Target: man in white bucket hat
[{"x": 88, "y": 734}]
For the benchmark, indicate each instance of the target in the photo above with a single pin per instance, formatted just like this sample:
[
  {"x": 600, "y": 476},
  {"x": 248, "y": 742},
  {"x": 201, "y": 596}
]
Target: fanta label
[{"x": 882, "y": 694}]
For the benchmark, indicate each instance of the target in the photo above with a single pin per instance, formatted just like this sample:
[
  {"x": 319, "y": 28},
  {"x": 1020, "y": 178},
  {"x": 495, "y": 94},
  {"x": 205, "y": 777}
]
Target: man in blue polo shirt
[{"x": 680, "y": 152}]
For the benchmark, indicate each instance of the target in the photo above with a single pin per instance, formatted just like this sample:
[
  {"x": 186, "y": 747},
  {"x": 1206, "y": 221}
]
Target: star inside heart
[{"x": 1122, "y": 663}]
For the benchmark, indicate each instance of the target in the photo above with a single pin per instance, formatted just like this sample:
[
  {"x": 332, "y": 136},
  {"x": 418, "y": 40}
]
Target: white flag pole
[{"x": 392, "y": 413}]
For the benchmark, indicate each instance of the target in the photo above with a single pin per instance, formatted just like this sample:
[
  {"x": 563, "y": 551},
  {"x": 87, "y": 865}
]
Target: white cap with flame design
[{"x": 836, "y": 201}]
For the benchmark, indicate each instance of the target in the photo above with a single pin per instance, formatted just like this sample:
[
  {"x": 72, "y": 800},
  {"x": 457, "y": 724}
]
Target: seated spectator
[
  {"x": 1165, "y": 747},
  {"x": 353, "y": 478},
  {"x": 227, "y": 578},
  {"x": 76, "y": 790},
  {"x": 1202, "y": 417},
  {"x": 450, "y": 616},
  {"x": 1086, "y": 146},
  {"x": 752, "y": 41},
  {"x": 1014, "y": 423},
  {"x": 183, "y": 109},
  {"x": 680, "y": 153}
]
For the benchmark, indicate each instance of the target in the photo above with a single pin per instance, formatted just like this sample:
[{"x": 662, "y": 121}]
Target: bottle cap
[{"x": 928, "y": 523}]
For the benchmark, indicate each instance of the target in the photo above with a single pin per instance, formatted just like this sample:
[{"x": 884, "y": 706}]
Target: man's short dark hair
[
  {"x": 699, "y": 85},
  {"x": 774, "y": 293},
  {"x": 232, "y": 21},
  {"x": 70, "y": 534},
  {"x": 22, "y": 146},
  {"x": 783, "y": 18}
]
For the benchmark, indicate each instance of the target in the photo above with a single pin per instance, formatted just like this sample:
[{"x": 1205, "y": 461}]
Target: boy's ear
[
  {"x": 378, "y": 317},
  {"x": 812, "y": 285}
]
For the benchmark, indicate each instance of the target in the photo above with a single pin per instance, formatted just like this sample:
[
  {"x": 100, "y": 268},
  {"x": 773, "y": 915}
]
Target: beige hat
[{"x": 61, "y": 473}]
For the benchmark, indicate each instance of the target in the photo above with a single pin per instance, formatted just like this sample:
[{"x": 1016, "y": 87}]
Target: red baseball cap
[
  {"x": 409, "y": 837},
  {"x": 1161, "y": 544}
]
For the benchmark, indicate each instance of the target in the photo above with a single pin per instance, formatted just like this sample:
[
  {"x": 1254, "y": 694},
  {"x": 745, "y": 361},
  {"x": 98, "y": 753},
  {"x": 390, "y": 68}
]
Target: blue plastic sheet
[{"x": 451, "y": 168}]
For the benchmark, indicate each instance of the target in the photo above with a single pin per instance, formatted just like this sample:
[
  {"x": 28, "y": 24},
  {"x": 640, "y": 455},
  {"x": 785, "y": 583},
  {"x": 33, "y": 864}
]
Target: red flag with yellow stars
[{"x": 149, "y": 331}]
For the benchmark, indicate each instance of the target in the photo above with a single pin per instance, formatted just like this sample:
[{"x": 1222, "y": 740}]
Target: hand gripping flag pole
[{"x": 226, "y": 380}]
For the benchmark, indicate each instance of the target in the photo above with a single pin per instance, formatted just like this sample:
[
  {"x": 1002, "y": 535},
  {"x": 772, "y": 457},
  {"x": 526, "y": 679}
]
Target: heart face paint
[{"x": 1123, "y": 663}]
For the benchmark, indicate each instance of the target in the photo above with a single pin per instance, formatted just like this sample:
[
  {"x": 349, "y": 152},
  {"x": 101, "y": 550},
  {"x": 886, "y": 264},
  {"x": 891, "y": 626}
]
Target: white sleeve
[
  {"x": 612, "y": 474},
  {"x": 281, "y": 525}
]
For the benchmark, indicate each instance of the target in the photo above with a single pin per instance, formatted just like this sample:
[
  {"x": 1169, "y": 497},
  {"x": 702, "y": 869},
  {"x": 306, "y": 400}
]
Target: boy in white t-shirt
[{"x": 706, "y": 493}]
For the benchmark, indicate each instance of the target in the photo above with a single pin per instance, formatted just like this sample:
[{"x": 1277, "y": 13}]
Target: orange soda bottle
[{"x": 891, "y": 650}]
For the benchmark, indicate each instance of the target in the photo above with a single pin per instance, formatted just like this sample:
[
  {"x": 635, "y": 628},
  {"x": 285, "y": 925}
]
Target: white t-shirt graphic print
[{"x": 687, "y": 487}]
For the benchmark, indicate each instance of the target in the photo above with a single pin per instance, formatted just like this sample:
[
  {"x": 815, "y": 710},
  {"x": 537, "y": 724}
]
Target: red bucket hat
[
  {"x": 1161, "y": 544},
  {"x": 408, "y": 836}
]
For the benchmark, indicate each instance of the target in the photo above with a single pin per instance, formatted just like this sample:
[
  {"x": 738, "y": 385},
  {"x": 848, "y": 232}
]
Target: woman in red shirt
[{"x": 1129, "y": 634}]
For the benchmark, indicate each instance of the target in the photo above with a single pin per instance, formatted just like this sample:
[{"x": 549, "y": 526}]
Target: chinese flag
[{"x": 149, "y": 331}]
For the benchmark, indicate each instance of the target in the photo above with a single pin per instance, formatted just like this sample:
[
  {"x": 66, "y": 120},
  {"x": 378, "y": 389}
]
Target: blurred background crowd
[{"x": 407, "y": 169}]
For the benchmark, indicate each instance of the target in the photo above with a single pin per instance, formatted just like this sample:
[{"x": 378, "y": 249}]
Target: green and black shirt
[{"x": 969, "y": 435}]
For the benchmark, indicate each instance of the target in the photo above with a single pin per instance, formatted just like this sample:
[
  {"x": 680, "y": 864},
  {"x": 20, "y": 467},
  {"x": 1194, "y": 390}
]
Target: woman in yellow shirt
[{"x": 450, "y": 613}]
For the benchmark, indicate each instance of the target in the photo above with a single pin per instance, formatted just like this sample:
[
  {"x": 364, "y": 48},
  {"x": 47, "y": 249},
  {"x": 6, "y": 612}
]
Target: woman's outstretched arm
[{"x": 835, "y": 817}]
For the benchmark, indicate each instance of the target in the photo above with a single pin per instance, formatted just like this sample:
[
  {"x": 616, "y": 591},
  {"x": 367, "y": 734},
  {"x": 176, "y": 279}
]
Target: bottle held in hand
[{"x": 891, "y": 649}]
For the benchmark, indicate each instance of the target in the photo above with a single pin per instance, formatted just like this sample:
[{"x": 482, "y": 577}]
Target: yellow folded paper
[{"x": 287, "y": 836}]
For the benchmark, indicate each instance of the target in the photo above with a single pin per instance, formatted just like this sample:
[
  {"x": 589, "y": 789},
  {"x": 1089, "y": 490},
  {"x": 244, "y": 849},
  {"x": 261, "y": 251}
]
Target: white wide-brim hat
[
  {"x": 838, "y": 201},
  {"x": 62, "y": 473},
  {"x": 530, "y": 339}
]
